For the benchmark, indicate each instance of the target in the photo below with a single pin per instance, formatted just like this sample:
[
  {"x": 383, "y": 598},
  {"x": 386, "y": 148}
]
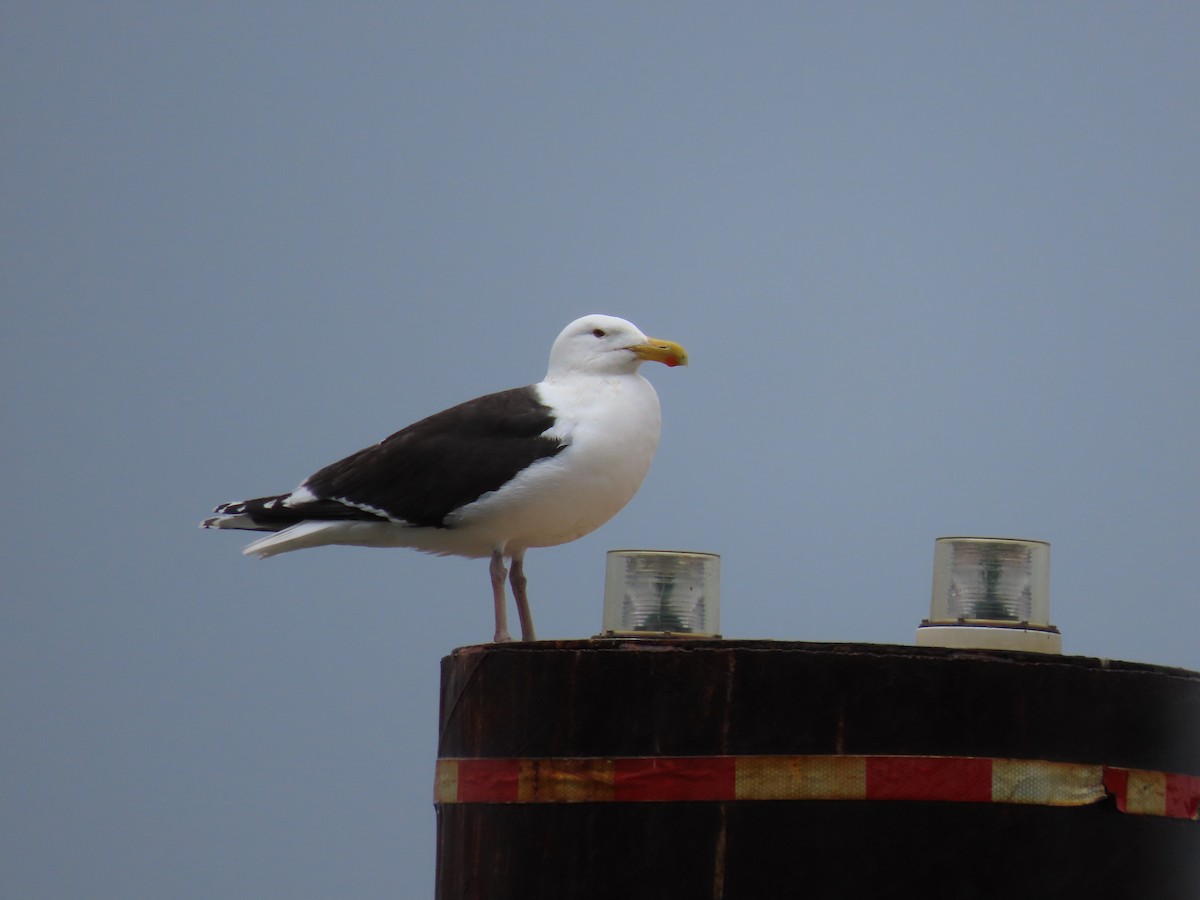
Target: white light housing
[
  {"x": 662, "y": 592},
  {"x": 990, "y": 593}
]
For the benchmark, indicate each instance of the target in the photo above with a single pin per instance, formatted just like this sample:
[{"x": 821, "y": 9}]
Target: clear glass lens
[
  {"x": 991, "y": 579},
  {"x": 662, "y": 591}
]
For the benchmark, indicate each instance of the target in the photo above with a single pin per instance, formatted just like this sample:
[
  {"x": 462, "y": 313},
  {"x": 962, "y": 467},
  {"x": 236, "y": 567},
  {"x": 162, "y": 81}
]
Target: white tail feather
[
  {"x": 296, "y": 537},
  {"x": 316, "y": 533}
]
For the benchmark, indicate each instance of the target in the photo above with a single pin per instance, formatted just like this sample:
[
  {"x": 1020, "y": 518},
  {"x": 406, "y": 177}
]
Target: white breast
[{"x": 611, "y": 426}]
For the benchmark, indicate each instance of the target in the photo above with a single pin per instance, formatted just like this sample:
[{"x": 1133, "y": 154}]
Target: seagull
[{"x": 533, "y": 466}]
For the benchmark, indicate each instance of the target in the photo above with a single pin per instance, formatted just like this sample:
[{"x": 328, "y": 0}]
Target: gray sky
[{"x": 935, "y": 264}]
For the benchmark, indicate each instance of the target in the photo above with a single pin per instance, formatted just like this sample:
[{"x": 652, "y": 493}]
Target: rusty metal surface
[
  {"x": 693, "y": 698},
  {"x": 737, "y": 697}
]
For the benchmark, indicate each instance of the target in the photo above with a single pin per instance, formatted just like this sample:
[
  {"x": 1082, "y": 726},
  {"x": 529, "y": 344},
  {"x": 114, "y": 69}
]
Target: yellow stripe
[
  {"x": 801, "y": 777},
  {"x": 1046, "y": 783},
  {"x": 445, "y": 781},
  {"x": 1146, "y": 793}
]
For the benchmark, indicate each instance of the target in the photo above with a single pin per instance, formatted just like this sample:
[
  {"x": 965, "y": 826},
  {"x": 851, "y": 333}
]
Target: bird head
[{"x": 608, "y": 345}]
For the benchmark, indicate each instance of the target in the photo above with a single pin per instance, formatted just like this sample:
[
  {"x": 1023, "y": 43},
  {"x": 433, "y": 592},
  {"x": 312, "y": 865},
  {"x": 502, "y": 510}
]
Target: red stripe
[
  {"x": 488, "y": 780},
  {"x": 1116, "y": 782},
  {"x": 713, "y": 778},
  {"x": 675, "y": 778},
  {"x": 929, "y": 778},
  {"x": 1183, "y": 796}
]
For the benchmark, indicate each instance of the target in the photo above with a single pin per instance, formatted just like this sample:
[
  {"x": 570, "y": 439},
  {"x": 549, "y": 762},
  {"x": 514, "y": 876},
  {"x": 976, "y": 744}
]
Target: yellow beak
[{"x": 666, "y": 352}]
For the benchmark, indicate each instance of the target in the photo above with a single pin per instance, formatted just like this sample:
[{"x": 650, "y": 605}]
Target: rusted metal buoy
[{"x": 658, "y": 768}]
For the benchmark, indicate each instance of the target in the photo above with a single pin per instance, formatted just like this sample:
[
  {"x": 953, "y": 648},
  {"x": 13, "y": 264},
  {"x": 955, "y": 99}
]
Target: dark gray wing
[{"x": 426, "y": 471}]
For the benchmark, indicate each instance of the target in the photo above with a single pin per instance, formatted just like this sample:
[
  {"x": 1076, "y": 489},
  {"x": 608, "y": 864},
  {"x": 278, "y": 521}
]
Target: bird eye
[{"x": 598, "y": 332}]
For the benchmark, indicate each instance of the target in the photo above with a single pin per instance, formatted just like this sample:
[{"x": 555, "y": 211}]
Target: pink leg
[
  {"x": 516, "y": 578},
  {"x": 498, "y": 572}
]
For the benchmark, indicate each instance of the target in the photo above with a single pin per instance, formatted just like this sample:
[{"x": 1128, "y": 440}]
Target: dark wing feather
[
  {"x": 271, "y": 513},
  {"x": 426, "y": 471}
]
